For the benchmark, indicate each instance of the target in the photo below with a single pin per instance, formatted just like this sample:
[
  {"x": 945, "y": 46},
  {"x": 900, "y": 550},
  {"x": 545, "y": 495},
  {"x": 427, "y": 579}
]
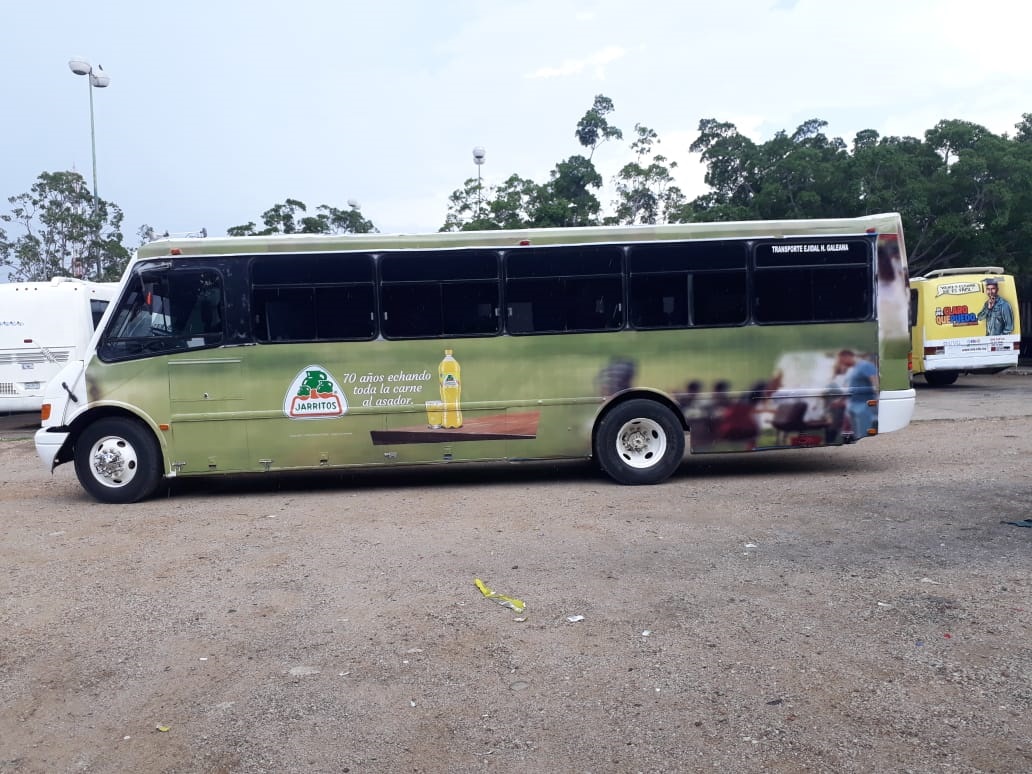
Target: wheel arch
[
  {"x": 638, "y": 394},
  {"x": 87, "y": 418}
]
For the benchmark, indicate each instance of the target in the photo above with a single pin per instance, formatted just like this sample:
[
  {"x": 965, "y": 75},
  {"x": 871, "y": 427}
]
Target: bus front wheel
[
  {"x": 941, "y": 378},
  {"x": 639, "y": 442},
  {"x": 117, "y": 460}
]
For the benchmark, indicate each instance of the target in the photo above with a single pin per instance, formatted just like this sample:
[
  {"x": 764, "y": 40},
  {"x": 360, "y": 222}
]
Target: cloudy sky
[{"x": 218, "y": 109}]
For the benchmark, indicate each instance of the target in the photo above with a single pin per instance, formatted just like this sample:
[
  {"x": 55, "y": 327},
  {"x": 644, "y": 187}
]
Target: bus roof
[
  {"x": 59, "y": 286},
  {"x": 961, "y": 270},
  {"x": 884, "y": 223}
]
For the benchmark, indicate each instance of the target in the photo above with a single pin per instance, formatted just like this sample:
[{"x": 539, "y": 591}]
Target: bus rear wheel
[
  {"x": 117, "y": 460},
  {"x": 639, "y": 442},
  {"x": 941, "y": 378}
]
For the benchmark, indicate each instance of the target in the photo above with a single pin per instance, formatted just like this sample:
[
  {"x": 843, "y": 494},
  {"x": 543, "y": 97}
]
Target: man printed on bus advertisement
[
  {"x": 862, "y": 381},
  {"x": 835, "y": 399},
  {"x": 996, "y": 311}
]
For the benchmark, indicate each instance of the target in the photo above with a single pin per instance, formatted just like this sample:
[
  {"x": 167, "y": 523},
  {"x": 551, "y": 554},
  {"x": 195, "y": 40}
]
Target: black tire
[
  {"x": 941, "y": 378},
  {"x": 639, "y": 442},
  {"x": 118, "y": 460}
]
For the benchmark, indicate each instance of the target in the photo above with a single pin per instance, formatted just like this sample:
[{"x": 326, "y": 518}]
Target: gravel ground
[{"x": 843, "y": 610}]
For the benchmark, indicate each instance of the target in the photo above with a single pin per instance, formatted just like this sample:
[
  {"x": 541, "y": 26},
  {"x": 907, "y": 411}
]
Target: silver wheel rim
[
  {"x": 113, "y": 461},
  {"x": 641, "y": 443}
]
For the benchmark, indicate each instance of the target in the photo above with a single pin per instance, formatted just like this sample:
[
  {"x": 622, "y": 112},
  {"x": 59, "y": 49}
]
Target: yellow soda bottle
[{"x": 450, "y": 375}]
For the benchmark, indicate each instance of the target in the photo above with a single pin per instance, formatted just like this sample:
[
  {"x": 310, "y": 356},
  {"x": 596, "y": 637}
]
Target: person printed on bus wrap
[
  {"x": 688, "y": 400},
  {"x": 996, "y": 311},
  {"x": 707, "y": 414},
  {"x": 616, "y": 376},
  {"x": 739, "y": 422},
  {"x": 835, "y": 402},
  {"x": 862, "y": 383}
]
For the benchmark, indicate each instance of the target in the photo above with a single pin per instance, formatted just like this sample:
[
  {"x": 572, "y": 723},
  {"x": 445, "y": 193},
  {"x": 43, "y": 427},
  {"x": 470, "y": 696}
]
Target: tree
[
  {"x": 290, "y": 218},
  {"x": 645, "y": 187},
  {"x": 565, "y": 200},
  {"x": 332, "y": 220},
  {"x": 66, "y": 232},
  {"x": 965, "y": 194},
  {"x": 467, "y": 210},
  {"x": 730, "y": 160},
  {"x": 593, "y": 129},
  {"x": 569, "y": 189},
  {"x": 511, "y": 203}
]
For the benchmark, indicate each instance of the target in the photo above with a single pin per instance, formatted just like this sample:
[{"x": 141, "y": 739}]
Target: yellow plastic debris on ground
[{"x": 501, "y": 599}]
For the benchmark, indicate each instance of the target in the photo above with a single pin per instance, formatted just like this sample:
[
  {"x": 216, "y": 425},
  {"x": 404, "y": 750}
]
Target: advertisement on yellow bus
[{"x": 964, "y": 321}]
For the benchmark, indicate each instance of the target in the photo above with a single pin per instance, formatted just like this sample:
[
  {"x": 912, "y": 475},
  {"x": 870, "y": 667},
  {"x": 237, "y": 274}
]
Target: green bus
[{"x": 302, "y": 352}]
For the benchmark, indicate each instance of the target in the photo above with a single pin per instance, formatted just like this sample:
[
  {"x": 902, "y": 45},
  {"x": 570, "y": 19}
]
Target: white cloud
[{"x": 596, "y": 62}]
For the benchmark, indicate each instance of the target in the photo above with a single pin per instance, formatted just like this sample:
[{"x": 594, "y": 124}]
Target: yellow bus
[
  {"x": 621, "y": 344},
  {"x": 964, "y": 321}
]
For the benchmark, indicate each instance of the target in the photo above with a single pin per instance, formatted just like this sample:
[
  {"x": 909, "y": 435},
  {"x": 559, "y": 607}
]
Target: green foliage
[
  {"x": 965, "y": 194},
  {"x": 65, "y": 232},
  {"x": 645, "y": 187},
  {"x": 593, "y": 129},
  {"x": 291, "y": 217},
  {"x": 565, "y": 200}
]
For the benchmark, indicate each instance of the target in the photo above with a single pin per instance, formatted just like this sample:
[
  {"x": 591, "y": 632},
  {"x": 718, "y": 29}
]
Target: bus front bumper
[{"x": 48, "y": 445}]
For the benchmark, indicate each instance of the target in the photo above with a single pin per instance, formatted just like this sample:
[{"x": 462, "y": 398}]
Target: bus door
[
  {"x": 169, "y": 327},
  {"x": 207, "y": 398}
]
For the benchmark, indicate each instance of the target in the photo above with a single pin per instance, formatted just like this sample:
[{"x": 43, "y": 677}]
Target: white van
[{"x": 43, "y": 325}]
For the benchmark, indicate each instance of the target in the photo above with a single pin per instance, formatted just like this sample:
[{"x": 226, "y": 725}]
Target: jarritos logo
[{"x": 314, "y": 395}]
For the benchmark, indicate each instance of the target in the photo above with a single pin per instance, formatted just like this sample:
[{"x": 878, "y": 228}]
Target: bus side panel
[
  {"x": 531, "y": 397},
  {"x": 300, "y": 406}
]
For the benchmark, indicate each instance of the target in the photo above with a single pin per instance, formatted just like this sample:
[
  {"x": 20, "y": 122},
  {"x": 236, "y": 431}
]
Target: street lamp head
[
  {"x": 99, "y": 79},
  {"x": 79, "y": 66},
  {"x": 478, "y": 155}
]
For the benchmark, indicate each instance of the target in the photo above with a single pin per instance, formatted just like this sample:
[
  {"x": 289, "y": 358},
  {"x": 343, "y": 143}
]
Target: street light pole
[
  {"x": 478, "y": 159},
  {"x": 97, "y": 80}
]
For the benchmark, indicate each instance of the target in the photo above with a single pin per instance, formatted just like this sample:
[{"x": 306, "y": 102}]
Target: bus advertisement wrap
[{"x": 625, "y": 344}]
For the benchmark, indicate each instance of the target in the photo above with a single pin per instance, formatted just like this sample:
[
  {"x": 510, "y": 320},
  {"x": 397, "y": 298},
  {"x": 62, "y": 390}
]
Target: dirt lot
[{"x": 854, "y": 609}]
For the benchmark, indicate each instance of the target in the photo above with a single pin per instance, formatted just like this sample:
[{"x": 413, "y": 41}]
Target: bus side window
[
  {"x": 313, "y": 297},
  {"x": 813, "y": 281},
  {"x": 719, "y": 298},
  {"x": 535, "y": 305},
  {"x": 456, "y": 294},
  {"x": 682, "y": 284},
  {"x": 205, "y": 316},
  {"x": 97, "y": 307},
  {"x": 564, "y": 289}
]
